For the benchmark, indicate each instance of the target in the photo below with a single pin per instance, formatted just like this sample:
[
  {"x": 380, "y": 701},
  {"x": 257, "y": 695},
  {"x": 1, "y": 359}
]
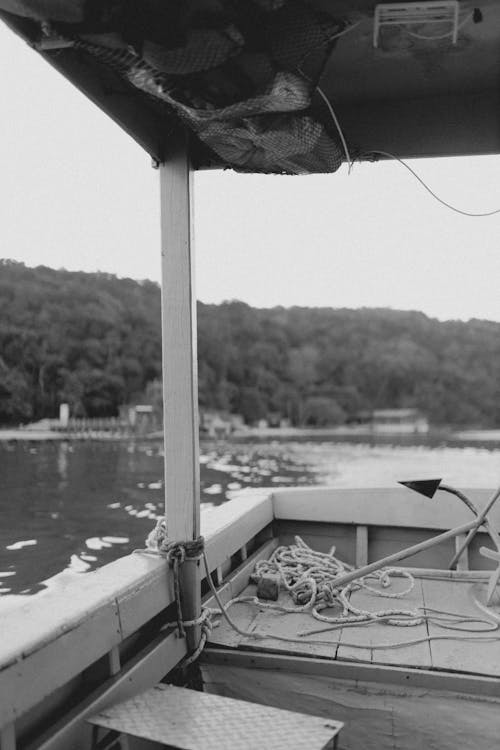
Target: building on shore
[
  {"x": 219, "y": 424},
  {"x": 410, "y": 421}
]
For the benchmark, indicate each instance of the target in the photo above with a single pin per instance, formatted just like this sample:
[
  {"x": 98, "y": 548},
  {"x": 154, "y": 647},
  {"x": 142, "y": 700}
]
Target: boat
[{"x": 99, "y": 662}]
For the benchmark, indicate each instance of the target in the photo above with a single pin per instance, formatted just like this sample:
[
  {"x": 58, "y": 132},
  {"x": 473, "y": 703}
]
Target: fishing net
[
  {"x": 259, "y": 135},
  {"x": 43, "y": 10},
  {"x": 239, "y": 73},
  {"x": 204, "y": 49}
]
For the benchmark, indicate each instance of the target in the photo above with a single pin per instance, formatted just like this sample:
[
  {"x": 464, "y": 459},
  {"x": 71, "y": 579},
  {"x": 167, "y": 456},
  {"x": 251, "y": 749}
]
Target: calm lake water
[{"x": 73, "y": 507}]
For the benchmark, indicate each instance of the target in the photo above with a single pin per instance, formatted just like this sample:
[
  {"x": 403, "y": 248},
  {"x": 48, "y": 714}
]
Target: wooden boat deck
[{"x": 379, "y": 643}]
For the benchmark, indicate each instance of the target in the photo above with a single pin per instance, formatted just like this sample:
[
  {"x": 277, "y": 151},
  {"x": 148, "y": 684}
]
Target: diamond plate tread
[{"x": 191, "y": 720}]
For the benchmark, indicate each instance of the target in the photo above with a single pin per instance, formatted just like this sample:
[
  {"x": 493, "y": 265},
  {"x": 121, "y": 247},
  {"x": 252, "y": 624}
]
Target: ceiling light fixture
[{"x": 413, "y": 14}]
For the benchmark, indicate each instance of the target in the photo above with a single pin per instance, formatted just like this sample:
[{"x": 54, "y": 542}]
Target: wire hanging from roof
[
  {"x": 394, "y": 157},
  {"x": 429, "y": 190},
  {"x": 337, "y": 125}
]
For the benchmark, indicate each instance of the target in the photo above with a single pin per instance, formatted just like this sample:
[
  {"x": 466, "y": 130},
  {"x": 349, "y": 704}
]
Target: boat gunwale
[
  {"x": 114, "y": 601},
  {"x": 121, "y": 597}
]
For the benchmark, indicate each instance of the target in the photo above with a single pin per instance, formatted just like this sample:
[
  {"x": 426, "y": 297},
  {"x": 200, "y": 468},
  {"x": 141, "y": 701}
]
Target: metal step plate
[{"x": 190, "y": 720}]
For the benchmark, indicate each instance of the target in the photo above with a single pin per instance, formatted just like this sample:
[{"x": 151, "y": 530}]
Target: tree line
[{"x": 94, "y": 341}]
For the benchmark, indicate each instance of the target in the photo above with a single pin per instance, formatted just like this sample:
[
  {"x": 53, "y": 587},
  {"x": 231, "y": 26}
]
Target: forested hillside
[{"x": 93, "y": 340}]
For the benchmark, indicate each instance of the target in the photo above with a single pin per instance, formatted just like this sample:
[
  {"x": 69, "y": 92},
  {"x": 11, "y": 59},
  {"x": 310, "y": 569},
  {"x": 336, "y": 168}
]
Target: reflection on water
[{"x": 75, "y": 506}]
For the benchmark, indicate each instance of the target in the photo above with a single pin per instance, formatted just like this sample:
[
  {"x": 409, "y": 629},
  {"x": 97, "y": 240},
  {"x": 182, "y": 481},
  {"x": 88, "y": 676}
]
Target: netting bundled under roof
[{"x": 240, "y": 74}]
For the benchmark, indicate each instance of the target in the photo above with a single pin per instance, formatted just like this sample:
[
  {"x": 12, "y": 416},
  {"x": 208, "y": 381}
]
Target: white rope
[{"x": 309, "y": 577}]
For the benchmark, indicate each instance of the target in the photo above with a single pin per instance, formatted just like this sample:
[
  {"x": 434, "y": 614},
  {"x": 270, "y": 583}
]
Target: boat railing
[
  {"x": 98, "y": 638},
  {"x": 367, "y": 524}
]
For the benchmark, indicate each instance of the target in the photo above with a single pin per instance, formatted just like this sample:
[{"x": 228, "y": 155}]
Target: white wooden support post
[{"x": 180, "y": 382}]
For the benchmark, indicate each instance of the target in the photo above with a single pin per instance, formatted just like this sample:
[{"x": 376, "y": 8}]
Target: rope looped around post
[{"x": 176, "y": 553}]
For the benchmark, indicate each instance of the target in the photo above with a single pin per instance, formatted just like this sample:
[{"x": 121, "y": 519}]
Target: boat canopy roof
[{"x": 280, "y": 86}]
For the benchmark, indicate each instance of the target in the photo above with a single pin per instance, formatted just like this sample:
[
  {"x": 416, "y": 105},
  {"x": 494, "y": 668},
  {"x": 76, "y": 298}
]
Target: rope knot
[
  {"x": 158, "y": 543},
  {"x": 329, "y": 594},
  {"x": 176, "y": 553}
]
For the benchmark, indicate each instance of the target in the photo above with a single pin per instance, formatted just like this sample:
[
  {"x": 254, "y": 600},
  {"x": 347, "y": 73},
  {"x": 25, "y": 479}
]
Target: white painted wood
[
  {"x": 377, "y": 716},
  {"x": 352, "y": 670},
  {"x": 86, "y": 617},
  {"x": 237, "y": 583},
  {"x": 180, "y": 384},
  {"x": 240, "y": 578},
  {"x": 145, "y": 670},
  {"x": 180, "y": 379},
  {"x": 8, "y": 737},
  {"x": 114, "y": 661},
  {"x": 361, "y": 545},
  {"x": 380, "y": 633},
  {"x": 27, "y": 681},
  {"x": 460, "y": 655},
  {"x": 37, "y": 621},
  {"x": 402, "y": 554},
  {"x": 232, "y": 524},
  {"x": 393, "y": 506}
]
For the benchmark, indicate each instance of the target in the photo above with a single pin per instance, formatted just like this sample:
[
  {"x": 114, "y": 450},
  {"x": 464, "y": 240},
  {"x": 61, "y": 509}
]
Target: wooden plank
[
  {"x": 8, "y": 737},
  {"x": 243, "y": 614},
  {"x": 376, "y": 716},
  {"x": 28, "y": 681},
  {"x": 460, "y": 655},
  {"x": 268, "y": 624},
  {"x": 40, "y": 620},
  {"x": 91, "y": 614},
  {"x": 114, "y": 661},
  {"x": 393, "y": 506},
  {"x": 394, "y": 124},
  {"x": 361, "y": 545},
  {"x": 345, "y": 670},
  {"x": 402, "y": 554},
  {"x": 240, "y": 578},
  {"x": 180, "y": 394},
  {"x": 321, "y": 536},
  {"x": 180, "y": 376},
  {"x": 234, "y": 523},
  {"x": 385, "y": 540},
  {"x": 142, "y": 119},
  {"x": 140, "y": 602},
  {"x": 364, "y": 637}
]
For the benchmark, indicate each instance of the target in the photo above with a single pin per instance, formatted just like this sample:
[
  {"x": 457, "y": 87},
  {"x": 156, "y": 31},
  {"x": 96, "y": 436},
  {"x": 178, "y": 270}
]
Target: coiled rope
[{"x": 309, "y": 577}]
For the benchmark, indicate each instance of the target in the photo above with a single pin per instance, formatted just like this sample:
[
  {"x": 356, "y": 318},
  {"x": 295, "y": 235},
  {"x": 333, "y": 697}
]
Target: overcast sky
[{"x": 76, "y": 192}]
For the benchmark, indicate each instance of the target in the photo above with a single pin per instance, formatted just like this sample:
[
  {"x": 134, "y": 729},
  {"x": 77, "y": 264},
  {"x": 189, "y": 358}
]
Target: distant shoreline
[
  {"x": 51, "y": 436},
  {"x": 477, "y": 435},
  {"x": 462, "y": 436}
]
